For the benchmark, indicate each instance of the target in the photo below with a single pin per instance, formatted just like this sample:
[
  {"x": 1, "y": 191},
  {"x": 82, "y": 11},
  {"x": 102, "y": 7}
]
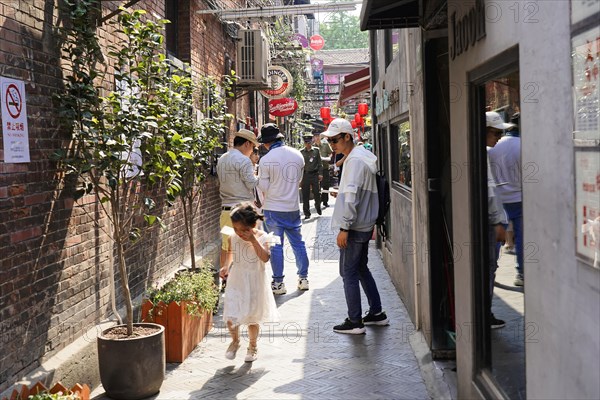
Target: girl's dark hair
[{"x": 246, "y": 214}]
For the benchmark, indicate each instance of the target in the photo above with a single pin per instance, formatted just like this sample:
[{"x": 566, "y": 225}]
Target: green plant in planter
[
  {"x": 196, "y": 287},
  {"x": 54, "y": 396}
]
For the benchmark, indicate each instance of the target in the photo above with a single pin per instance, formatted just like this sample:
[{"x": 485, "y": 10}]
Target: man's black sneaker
[
  {"x": 351, "y": 328},
  {"x": 319, "y": 211},
  {"x": 376, "y": 319},
  {"x": 496, "y": 323}
]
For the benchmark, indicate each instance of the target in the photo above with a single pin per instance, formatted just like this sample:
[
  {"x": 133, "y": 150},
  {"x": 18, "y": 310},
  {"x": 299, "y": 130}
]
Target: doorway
[{"x": 498, "y": 289}]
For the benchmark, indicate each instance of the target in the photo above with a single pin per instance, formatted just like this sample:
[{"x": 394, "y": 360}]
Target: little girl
[{"x": 248, "y": 296}]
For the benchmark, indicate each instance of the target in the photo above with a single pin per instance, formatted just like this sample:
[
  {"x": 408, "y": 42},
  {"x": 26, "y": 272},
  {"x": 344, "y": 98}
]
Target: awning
[
  {"x": 388, "y": 14},
  {"x": 355, "y": 84}
]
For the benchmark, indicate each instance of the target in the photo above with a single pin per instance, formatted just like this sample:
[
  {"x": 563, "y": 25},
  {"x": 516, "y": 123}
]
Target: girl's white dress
[{"x": 248, "y": 295}]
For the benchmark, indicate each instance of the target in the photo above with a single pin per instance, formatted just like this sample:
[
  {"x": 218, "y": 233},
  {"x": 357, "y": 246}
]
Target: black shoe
[
  {"x": 496, "y": 323},
  {"x": 319, "y": 211},
  {"x": 349, "y": 327},
  {"x": 376, "y": 319},
  {"x": 307, "y": 216},
  {"x": 325, "y": 205}
]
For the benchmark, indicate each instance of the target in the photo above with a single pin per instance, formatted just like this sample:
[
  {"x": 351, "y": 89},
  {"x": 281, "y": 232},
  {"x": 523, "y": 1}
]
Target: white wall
[{"x": 562, "y": 298}]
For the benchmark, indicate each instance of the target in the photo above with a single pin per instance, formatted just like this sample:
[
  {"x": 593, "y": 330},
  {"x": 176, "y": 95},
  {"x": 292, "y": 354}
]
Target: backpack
[{"x": 383, "y": 194}]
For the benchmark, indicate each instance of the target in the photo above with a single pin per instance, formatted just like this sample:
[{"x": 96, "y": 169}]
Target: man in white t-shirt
[
  {"x": 236, "y": 184},
  {"x": 280, "y": 174}
]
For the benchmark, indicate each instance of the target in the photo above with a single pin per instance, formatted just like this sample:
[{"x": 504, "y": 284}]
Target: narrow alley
[{"x": 301, "y": 357}]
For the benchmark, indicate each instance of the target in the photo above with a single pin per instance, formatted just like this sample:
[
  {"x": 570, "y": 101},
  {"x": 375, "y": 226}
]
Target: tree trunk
[
  {"x": 124, "y": 277},
  {"x": 188, "y": 216}
]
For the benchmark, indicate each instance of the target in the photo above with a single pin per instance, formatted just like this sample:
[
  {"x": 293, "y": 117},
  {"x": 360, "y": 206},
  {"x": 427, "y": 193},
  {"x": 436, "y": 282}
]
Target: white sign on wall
[{"x": 15, "y": 133}]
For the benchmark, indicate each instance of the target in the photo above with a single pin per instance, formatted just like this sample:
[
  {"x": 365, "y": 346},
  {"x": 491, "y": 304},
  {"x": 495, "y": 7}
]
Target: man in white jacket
[
  {"x": 280, "y": 173},
  {"x": 354, "y": 217}
]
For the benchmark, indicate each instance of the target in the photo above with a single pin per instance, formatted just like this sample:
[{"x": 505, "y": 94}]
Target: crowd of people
[{"x": 261, "y": 207}]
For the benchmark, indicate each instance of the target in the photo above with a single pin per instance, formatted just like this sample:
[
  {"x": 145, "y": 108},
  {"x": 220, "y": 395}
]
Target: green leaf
[{"x": 150, "y": 219}]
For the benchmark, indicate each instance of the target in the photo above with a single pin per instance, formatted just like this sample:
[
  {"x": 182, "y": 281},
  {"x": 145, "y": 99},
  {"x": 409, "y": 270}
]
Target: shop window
[
  {"x": 388, "y": 46},
  {"x": 401, "y": 154},
  {"x": 374, "y": 64},
  {"x": 395, "y": 42}
]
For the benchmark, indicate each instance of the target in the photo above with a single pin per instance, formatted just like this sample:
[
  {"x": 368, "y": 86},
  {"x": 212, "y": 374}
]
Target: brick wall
[{"x": 53, "y": 258}]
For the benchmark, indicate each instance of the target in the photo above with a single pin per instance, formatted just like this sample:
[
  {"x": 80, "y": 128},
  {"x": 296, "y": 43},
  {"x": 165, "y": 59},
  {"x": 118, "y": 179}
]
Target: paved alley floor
[{"x": 301, "y": 357}]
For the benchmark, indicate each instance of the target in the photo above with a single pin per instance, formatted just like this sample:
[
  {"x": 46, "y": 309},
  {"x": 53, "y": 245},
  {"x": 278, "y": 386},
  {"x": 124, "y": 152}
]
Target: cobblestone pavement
[{"x": 301, "y": 357}]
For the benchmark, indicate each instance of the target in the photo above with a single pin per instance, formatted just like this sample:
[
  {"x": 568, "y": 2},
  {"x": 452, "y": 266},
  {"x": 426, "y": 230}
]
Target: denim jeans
[
  {"x": 354, "y": 270},
  {"x": 514, "y": 211},
  {"x": 288, "y": 223}
]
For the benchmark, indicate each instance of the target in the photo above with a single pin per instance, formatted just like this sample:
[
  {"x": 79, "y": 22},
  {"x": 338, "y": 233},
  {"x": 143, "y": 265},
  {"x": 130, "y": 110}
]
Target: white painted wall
[{"x": 562, "y": 298}]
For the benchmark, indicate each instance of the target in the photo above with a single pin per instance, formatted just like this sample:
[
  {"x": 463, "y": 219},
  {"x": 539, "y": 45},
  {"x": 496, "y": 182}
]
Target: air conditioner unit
[{"x": 252, "y": 58}]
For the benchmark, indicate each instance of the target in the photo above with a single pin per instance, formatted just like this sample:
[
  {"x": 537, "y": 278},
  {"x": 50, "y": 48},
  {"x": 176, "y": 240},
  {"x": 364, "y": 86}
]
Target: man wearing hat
[
  {"x": 505, "y": 160},
  {"x": 496, "y": 217},
  {"x": 354, "y": 216},
  {"x": 280, "y": 173},
  {"x": 313, "y": 174},
  {"x": 236, "y": 185}
]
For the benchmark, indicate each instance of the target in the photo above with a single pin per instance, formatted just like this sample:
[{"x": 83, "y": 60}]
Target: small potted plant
[{"x": 184, "y": 306}]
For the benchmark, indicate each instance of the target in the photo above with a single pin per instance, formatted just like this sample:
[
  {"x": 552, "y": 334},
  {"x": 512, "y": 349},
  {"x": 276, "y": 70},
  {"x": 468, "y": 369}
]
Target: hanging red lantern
[
  {"x": 325, "y": 113},
  {"x": 357, "y": 118},
  {"x": 326, "y": 121},
  {"x": 353, "y": 123},
  {"x": 363, "y": 109}
]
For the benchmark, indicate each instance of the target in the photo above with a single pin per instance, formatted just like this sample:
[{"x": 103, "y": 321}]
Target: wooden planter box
[{"x": 182, "y": 331}]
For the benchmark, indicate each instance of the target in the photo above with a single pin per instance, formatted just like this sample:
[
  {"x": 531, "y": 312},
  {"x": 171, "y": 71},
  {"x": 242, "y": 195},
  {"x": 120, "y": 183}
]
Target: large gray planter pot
[{"x": 132, "y": 368}]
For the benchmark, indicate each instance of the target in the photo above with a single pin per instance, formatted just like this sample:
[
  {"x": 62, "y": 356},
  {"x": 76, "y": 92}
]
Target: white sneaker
[
  {"x": 232, "y": 350},
  {"x": 278, "y": 288},
  {"x": 252, "y": 354},
  {"x": 302, "y": 284}
]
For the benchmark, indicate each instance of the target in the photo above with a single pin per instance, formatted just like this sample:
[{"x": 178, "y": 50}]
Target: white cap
[
  {"x": 337, "y": 126},
  {"x": 494, "y": 120}
]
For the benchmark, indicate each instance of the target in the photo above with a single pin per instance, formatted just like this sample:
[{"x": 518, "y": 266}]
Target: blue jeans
[
  {"x": 288, "y": 222},
  {"x": 354, "y": 270},
  {"x": 514, "y": 211}
]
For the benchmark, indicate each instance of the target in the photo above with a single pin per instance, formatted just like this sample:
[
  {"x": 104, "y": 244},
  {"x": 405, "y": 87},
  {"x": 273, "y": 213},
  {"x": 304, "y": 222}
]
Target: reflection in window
[
  {"x": 401, "y": 169},
  {"x": 395, "y": 42}
]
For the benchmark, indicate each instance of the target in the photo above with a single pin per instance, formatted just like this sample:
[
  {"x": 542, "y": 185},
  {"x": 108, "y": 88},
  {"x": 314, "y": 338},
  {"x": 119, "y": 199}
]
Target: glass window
[
  {"x": 395, "y": 42},
  {"x": 401, "y": 167},
  {"x": 172, "y": 14},
  {"x": 388, "y": 47}
]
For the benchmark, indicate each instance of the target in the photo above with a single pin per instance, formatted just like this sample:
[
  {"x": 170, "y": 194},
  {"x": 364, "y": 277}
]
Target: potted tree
[
  {"x": 184, "y": 306},
  {"x": 191, "y": 139},
  {"x": 116, "y": 145}
]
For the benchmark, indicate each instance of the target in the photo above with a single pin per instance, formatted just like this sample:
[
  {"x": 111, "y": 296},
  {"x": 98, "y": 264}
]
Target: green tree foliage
[{"x": 342, "y": 31}]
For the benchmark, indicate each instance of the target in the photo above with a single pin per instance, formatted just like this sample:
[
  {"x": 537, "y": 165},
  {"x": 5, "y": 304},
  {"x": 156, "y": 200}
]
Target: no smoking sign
[
  {"x": 14, "y": 102},
  {"x": 15, "y": 133}
]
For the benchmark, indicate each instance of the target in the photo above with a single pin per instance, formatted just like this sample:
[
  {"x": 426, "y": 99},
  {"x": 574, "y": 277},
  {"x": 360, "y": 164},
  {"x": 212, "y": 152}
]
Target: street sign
[{"x": 317, "y": 42}]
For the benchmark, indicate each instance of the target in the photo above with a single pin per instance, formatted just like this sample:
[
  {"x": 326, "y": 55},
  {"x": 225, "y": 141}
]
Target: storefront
[{"x": 537, "y": 61}]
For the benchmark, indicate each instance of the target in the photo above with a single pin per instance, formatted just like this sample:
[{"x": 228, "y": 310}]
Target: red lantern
[
  {"x": 325, "y": 113},
  {"x": 353, "y": 123},
  {"x": 363, "y": 109},
  {"x": 358, "y": 118},
  {"x": 326, "y": 121}
]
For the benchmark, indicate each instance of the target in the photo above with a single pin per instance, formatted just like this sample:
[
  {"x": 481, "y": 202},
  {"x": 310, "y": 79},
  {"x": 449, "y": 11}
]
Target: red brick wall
[{"x": 53, "y": 258}]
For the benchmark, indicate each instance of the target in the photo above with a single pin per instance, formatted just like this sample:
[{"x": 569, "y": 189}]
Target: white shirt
[
  {"x": 505, "y": 161},
  {"x": 280, "y": 173},
  {"x": 236, "y": 178}
]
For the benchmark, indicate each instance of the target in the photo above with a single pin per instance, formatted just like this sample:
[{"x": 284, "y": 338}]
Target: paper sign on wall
[{"x": 15, "y": 133}]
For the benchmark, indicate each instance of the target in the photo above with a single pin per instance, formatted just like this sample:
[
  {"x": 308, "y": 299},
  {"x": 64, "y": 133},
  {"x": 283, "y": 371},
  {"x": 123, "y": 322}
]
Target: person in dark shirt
[{"x": 313, "y": 174}]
